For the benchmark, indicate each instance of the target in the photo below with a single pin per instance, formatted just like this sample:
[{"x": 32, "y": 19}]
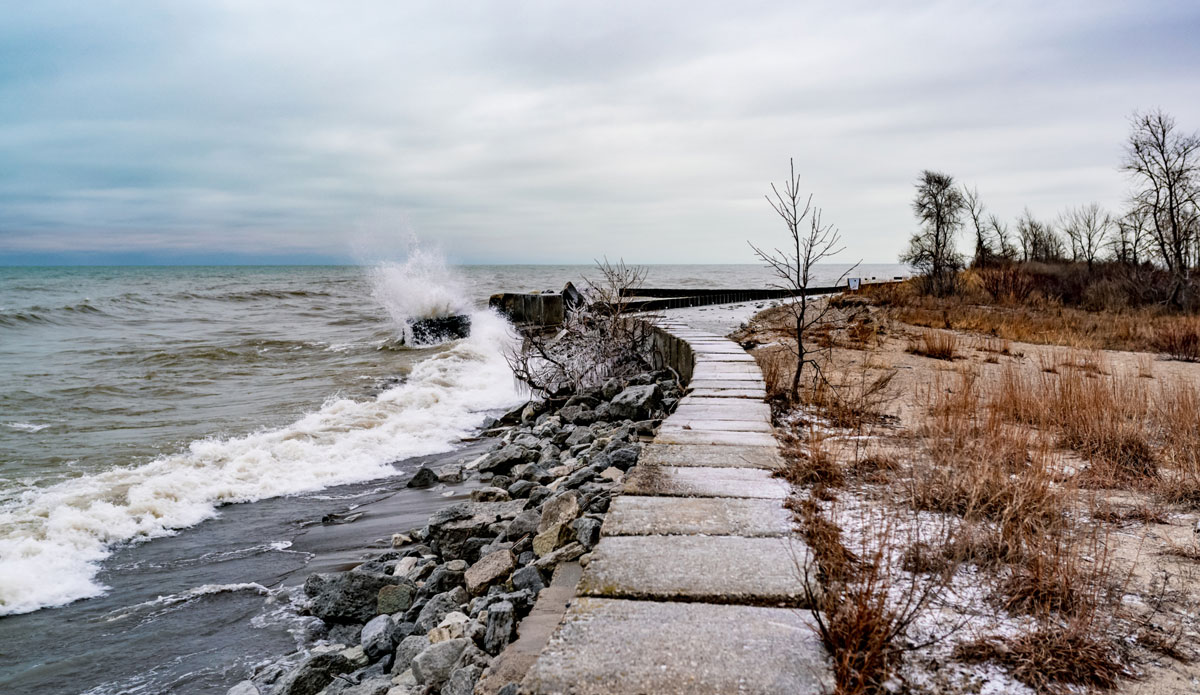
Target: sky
[{"x": 555, "y": 132}]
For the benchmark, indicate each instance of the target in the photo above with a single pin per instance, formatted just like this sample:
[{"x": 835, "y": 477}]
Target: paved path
[{"x": 695, "y": 584}]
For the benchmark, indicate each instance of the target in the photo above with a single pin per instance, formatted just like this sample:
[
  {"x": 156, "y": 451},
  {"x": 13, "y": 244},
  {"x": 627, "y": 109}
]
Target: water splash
[{"x": 422, "y": 287}]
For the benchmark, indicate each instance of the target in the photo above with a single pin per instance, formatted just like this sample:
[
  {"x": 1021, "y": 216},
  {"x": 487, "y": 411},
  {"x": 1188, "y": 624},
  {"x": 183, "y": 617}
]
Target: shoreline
[{"x": 434, "y": 609}]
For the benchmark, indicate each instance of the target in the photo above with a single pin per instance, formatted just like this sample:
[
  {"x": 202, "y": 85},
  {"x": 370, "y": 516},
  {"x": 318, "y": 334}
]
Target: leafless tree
[
  {"x": 1039, "y": 242},
  {"x": 1087, "y": 229},
  {"x": 1003, "y": 244},
  {"x": 598, "y": 339},
  {"x": 984, "y": 253},
  {"x": 938, "y": 206},
  {"x": 810, "y": 241},
  {"x": 1130, "y": 244},
  {"x": 1165, "y": 167}
]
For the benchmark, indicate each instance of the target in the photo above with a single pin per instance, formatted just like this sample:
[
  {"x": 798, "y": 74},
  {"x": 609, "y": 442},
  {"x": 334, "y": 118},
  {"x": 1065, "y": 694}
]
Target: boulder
[
  {"x": 503, "y": 460},
  {"x": 424, "y": 478},
  {"x": 439, "y": 607},
  {"x": 407, "y": 650},
  {"x": 490, "y": 494},
  {"x": 525, "y": 524},
  {"x": 394, "y": 598},
  {"x": 462, "y": 681},
  {"x": 587, "y": 532},
  {"x": 378, "y": 636},
  {"x": 347, "y": 597},
  {"x": 311, "y": 676},
  {"x": 547, "y": 541},
  {"x": 244, "y": 688},
  {"x": 528, "y": 578},
  {"x": 521, "y": 488},
  {"x": 490, "y": 569},
  {"x": 624, "y": 457},
  {"x": 500, "y": 623},
  {"x": 453, "y": 626},
  {"x": 380, "y": 685},
  {"x": 635, "y": 402},
  {"x": 567, "y": 553},
  {"x": 433, "y": 665},
  {"x": 559, "y": 510},
  {"x": 450, "y": 473}
]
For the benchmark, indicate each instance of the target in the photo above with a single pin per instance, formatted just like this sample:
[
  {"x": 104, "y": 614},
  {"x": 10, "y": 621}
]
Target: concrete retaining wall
[
  {"x": 671, "y": 351},
  {"x": 541, "y": 309}
]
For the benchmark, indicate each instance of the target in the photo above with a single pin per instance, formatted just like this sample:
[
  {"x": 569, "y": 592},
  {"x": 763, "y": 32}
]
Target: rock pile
[{"x": 429, "y": 616}]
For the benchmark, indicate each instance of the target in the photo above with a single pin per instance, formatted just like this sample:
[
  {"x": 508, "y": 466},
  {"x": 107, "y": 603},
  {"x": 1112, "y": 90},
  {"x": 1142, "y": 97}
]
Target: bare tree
[
  {"x": 1004, "y": 246},
  {"x": 1087, "y": 228},
  {"x": 598, "y": 339},
  {"x": 1165, "y": 167},
  {"x": 984, "y": 254},
  {"x": 810, "y": 241},
  {"x": 1038, "y": 240},
  {"x": 1131, "y": 244},
  {"x": 938, "y": 206}
]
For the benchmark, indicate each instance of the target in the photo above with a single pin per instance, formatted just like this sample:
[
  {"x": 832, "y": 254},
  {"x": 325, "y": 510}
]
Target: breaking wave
[{"x": 52, "y": 539}]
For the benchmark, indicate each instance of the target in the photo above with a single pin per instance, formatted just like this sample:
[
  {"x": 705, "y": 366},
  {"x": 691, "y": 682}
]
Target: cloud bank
[{"x": 553, "y": 132}]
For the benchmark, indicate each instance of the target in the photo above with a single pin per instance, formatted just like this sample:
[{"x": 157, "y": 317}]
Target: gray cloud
[{"x": 555, "y": 131}]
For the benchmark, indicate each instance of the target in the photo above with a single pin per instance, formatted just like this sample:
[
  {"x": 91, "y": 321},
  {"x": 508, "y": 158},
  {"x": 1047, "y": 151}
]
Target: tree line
[{"x": 1158, "y": 229}]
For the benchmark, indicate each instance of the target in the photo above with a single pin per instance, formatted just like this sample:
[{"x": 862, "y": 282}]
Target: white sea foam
[
  {"x": 25, "y": 426},
  {"x": 52, "y": 539},
  {"x": 420, "y": 287}
]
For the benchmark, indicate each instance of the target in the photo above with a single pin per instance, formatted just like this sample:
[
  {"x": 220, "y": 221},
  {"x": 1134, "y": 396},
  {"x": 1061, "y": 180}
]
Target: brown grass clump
[
  {"x": 811, "y": 463},
  {"x": 1176, "y": 413},
  {"x": 835, "y": 563},
  {"x": 938, "y": 345},
  {"x": 1178, "y": 340},
  {"x": 1051, "y": 656}
]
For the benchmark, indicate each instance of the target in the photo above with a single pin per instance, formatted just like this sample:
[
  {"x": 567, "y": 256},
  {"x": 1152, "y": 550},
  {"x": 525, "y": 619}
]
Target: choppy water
[{"x": 135, "y": 403}]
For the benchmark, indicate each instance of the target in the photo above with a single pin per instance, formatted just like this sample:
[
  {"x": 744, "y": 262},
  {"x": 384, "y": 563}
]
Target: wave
[
  {"x": 38, "y": 314},
  {"x": 185, "y": 597},
  {"x": 26, "y": 426},
  {"x": 52, "y": 539},
  {"x": 252, "y": 295},
  {"x": 421, "y": 287}
]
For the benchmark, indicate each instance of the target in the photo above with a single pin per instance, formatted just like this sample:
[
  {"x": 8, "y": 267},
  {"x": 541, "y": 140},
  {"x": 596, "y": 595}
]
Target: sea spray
[{"x": 52, "y": 539}]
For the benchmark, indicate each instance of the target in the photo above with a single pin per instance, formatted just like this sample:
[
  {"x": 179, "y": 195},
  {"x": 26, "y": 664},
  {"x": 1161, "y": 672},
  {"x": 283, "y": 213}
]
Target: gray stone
[
  {"x": 525, "y": 524},
  {"x": 377, "y": 636},
  {"x": 347, "y": 597},
  {"x": 553, "y": 537},
  {"x": 521, "y": 488},
  {"x": 450, "y": 473},
  {"x": 433, "y": 665},
  {"x": 462, "y": 681},
  {"x": 500, "y": 623},
  {"x": 394, "y": 598},
  {"x": 567, "y": 553},
  {"x": 489, "y": 494},
  {"x": 244, "y": 688},
  {"x": 616, "y": 647},
  {"x": 624, "y": 457},
  {"x": 490, "y": 568},
  {"x": 503, "y": 460},
  {"x": 560, "y": 510},
  {"x": 316, "y": 672},
  {"x": 438, "y": 607},
  {"x": 369, "y": 686},
  {"x": 587, "y": 532},
  {"x": 409, "y": 648},
  {"x": 528, "y": 578},
  {"x": 635, "y": 402},
  {"x": 423, "y": 478}
]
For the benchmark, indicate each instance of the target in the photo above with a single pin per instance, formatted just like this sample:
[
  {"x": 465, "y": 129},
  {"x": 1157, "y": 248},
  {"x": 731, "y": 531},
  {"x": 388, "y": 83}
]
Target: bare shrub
[
  {"x": 1070, "y": 653},
  {"x": 1178, "y": 341},
  {"x": 810, "y": 463},
  {"x": 939, "y": 345},
  {"x": 598, "y": 339}
]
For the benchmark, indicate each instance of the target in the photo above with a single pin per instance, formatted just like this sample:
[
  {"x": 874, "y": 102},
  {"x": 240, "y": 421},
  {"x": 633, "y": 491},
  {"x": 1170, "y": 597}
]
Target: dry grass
[
  {"x": 1178, "y": 340},
  {"x": 1051, "y": 656},
  {"x": 938, "y": 345},
  {"x": 810, "y": 462}
]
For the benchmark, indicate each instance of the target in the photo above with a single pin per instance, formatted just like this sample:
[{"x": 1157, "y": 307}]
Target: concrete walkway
[{"x": 695, "y": 584}]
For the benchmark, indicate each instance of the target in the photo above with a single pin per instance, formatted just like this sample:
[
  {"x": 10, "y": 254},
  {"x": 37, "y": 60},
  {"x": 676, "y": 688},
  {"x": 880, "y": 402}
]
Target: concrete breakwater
[
  {"x": 695, "y": 583},
  {"x": 431, "y": 615}
]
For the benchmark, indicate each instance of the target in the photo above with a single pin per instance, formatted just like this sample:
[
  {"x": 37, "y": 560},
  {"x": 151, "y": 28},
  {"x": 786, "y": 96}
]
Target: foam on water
[
  {"x": 53, "y": 539},
  {"x": 421, "y": 287}
]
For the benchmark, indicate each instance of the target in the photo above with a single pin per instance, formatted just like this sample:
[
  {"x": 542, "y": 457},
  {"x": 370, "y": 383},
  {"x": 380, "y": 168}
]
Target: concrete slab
[
  {"x": 724, "y": 358},
  {"x": 611, "y": 646},
  {"x": 678, "y": 423},
  {"x": 711, "y": 438},
  {"x": 703, "y": 384},
  {"x": 715, "y": 569},
  {"x": 631, "y": 515},
  {"x": 723, "y": 409},
  {"x": 657, "y": 454},
  {"x": 752, "y": 393},
  {"x": 684, "y": 481},
  {"x": 719, "y": 369}
]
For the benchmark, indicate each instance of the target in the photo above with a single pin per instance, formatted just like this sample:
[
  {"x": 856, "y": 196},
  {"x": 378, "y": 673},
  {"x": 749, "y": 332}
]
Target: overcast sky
[{"x": 554, "y": 132}]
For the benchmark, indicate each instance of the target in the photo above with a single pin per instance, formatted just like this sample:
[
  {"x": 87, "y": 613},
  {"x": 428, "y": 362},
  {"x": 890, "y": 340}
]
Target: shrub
[
  {"x": 1178, "y": 340},
  {"x": 939, "y": 345}
]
